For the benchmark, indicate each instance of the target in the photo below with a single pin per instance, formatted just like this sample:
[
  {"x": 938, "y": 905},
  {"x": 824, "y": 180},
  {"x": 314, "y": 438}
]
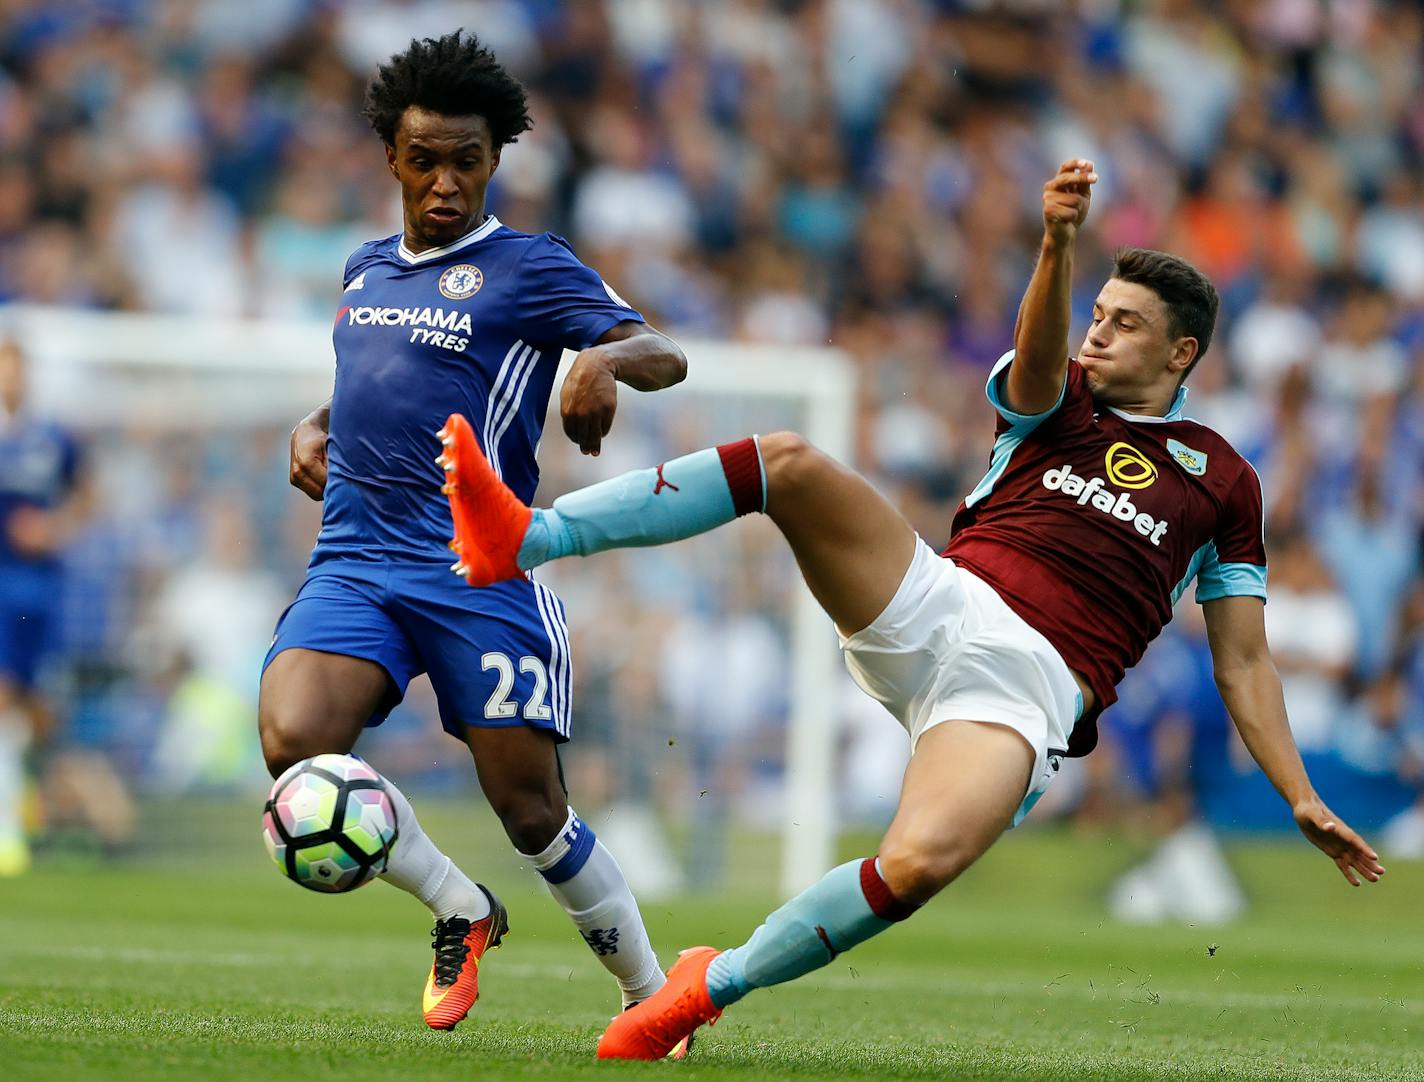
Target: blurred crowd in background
[{"x": 859, "y": 173}]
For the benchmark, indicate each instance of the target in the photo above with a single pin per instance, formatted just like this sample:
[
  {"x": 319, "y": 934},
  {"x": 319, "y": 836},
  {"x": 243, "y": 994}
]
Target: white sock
[
  {"x": 585, "y": 879},
  {"x": 14, "y": 739},
  {"x": 418, "y": 868}
]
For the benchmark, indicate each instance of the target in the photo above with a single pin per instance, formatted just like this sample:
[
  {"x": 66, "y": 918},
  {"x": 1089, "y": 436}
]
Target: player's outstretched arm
[
  {"x": 1035, "y": 379},
  {"x": 631, "y": 353},
  {"x": 1251, "y": 689},
  {"x": 306, "y": 468}
]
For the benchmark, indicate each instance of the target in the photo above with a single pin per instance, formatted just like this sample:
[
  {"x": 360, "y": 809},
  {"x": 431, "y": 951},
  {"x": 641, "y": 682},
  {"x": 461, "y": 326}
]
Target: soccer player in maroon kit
[{"x": 1101, "y": 504}]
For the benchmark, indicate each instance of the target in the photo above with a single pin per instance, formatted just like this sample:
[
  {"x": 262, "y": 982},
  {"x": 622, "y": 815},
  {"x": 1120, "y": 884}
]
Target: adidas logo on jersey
[{"x": 1091, "y": 491}]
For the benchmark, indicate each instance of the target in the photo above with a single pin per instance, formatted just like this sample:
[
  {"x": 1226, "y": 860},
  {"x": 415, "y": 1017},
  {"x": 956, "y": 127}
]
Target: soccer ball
[{"x": 329, "y": 823}]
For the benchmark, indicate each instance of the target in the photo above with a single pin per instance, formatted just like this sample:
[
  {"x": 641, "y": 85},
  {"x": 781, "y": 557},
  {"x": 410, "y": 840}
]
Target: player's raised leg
[
  {"x": 961, "y": 789},
  {"x": 852, "y": 545},
  {"x": 519, "y": 774},
  {"x": 313, "y": 702}
]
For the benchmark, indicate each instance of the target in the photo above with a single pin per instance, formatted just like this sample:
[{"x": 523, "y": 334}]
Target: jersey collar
[
  {"x": 485, "y": 228},
  {"x": 1179, "y": 403}
]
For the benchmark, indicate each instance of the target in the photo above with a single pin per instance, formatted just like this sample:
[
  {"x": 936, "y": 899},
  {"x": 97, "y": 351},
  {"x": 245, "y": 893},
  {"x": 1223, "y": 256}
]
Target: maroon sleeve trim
[
  {"x": 741, "y": 462},
  {"x": 883, "y": 902}
]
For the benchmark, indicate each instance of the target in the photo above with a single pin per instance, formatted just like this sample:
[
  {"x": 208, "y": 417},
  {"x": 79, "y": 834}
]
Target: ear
[
  {"x": 391, "y": 160},
  {"x": 1184, "y": 352},
  {"x": 494, "y": 159}
]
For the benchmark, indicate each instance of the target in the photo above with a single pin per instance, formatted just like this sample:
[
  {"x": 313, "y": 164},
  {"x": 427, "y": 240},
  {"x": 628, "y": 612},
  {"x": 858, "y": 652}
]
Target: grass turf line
[{"x": 149, "y": 972}]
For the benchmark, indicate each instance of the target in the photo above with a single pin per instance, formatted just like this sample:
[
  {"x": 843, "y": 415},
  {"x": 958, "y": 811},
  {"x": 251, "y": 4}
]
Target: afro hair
[{"x": 453, "y": 75}]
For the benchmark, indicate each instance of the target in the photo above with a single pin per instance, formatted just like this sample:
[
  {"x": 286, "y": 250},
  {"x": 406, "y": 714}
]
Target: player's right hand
[
  {"x": 589, "y": 399},
  {"x": 307, "y": 465},
  {"x": 1066, "y": 198}
]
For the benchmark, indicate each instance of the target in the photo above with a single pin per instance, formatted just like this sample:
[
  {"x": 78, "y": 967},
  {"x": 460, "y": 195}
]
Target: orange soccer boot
[
  {"x": 681, "y": 1050},
  {"x": 490, "y": 520},
  {"x": 656, "y": 1027},
  {"x": 454, "y": 981}
]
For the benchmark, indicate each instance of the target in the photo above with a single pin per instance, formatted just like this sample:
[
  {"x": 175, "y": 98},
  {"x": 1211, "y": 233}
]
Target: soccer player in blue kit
[
  {"x": 456, "y": 313},
  {"x": 43, "y": 502}
]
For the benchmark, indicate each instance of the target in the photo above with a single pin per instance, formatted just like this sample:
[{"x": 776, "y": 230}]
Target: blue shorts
[
  {"x": 29, "y": 622},
  {"x": 498, "y": 657}
]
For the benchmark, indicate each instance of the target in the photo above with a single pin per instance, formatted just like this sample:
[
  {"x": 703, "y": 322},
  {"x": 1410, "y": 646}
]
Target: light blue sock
[
  {"x": 686, "y": 496},
  {"x": 828, "y": 918}
]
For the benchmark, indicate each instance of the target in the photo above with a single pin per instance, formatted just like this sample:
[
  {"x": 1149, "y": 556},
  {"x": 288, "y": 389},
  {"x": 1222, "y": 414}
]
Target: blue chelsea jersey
[
  {"x": 39, "y": 464},
  {"x": 476, "y": 327}
]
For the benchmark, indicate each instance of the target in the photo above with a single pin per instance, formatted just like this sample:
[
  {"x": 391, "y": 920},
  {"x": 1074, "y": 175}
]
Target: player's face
[
  {"x": 1130, "y": 355},
  {"x": 444, "y": 164}
]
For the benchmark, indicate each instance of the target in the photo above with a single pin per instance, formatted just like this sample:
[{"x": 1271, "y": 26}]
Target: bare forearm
[
  {"x": 631, "y": 353},
  {"x": 1041, "y": 331},
  {"x": 1035, "y": 379},
  {"x": 1251, "y": 689},
  {"x": 645, "y": 362},
  {"x": 1253, "y": 697}
]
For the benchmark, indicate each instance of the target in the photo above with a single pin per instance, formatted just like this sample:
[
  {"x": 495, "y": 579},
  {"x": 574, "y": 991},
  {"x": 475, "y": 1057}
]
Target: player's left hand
[
  {"x": 589, "y": 400},
  {"x": 1328, "y": 833}
]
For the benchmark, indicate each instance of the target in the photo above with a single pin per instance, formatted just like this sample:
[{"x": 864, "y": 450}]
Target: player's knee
[
  {"x": 278, "y": 752},
  {"x": 911, "y": 874},
  {"x": 790, "y": 461},
  {"x": 284, "y": 740},
  {"x": 530, "y": 817},
  {"x": 916, "y": 870}
]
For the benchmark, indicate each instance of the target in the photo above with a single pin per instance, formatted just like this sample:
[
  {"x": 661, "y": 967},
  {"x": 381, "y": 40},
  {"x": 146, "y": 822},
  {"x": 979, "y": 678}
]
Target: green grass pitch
[{"x": 150, "y": 970}]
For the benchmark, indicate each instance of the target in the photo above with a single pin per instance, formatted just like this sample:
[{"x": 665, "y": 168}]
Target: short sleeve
[
  {"x": 1075, "y": 390},
  {"x": 1235, "y": 562},
  {"x": 352, "y": 275},
  {"x": 564, "y": 303}
]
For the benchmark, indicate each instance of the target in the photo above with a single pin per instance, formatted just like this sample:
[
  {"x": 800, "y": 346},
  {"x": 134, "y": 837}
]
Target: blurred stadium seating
[{"x": 858, "y": 172}]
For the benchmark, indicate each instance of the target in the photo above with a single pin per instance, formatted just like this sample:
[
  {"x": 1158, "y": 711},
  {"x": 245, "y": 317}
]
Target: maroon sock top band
[
  {"x": 883, "y": 902},
  {"x": 741, "y": 462}
]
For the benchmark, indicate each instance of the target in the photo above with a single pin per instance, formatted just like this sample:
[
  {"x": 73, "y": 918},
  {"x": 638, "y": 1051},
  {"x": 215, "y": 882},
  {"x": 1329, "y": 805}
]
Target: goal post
[{"x": 104, "y": 369}]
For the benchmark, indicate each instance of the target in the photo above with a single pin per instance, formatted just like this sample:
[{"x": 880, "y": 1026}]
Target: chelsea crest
[{"x": 461, "y": 281}]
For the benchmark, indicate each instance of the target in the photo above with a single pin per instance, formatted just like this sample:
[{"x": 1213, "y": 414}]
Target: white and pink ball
[{"x": 329, "y": 823}]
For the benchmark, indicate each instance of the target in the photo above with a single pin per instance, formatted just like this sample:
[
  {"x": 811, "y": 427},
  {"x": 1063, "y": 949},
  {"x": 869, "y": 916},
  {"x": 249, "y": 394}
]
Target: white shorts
[{"x": 948, "y": 648}]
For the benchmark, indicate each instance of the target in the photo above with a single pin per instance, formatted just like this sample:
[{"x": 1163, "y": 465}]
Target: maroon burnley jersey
[{"x": 1091, "y": 523}]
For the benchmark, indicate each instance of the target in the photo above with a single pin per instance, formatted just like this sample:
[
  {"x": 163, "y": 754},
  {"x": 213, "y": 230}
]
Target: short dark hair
[
  {"x": 1190, "y": 297},
  {"x": 453, "y": 75}
]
